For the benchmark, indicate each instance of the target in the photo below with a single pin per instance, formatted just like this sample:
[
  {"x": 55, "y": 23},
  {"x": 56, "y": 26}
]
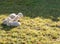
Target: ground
[
  {"x": 31, "y": 31},
  {"x": 40, "y": 24}
]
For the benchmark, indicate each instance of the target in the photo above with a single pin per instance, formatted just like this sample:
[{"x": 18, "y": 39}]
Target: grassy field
[
  {"x": 38, "y": 26},
  {"x": 31, "y": 8}
]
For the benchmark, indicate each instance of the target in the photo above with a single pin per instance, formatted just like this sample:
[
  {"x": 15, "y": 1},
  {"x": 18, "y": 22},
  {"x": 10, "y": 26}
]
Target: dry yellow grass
[{"x": 31, "y": 31}]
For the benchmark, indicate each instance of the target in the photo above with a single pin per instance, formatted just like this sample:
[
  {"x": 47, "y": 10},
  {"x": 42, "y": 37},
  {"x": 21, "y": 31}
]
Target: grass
[
  {"x": 37, "y": 25},
  {"x": 31, "y": 31},
  {"x": 31, "y": 8}
]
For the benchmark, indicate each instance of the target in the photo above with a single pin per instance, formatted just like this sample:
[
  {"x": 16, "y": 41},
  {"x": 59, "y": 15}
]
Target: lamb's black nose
[{"x": 18, "y": 20}]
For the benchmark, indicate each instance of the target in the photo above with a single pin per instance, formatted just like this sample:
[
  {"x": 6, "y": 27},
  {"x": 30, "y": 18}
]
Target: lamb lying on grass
[{"x": 12, "y": 19}]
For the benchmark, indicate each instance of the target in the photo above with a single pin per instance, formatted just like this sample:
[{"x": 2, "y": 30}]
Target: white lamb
[{"x": 12, "y": 19}]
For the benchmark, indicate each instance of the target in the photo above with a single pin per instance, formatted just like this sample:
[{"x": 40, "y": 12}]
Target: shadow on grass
[{"x": 6, "y": 28}]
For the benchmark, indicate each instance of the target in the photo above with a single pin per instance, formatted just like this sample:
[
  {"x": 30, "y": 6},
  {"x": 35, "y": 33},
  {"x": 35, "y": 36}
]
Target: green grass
[
  {"x": 36, "y": 27},
  {"x": 31, "y": 8}
]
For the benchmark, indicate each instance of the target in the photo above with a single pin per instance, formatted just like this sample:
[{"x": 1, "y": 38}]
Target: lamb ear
[
  {"x": 12, "y": 14},
  {"x": 20, "y": 14}
]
